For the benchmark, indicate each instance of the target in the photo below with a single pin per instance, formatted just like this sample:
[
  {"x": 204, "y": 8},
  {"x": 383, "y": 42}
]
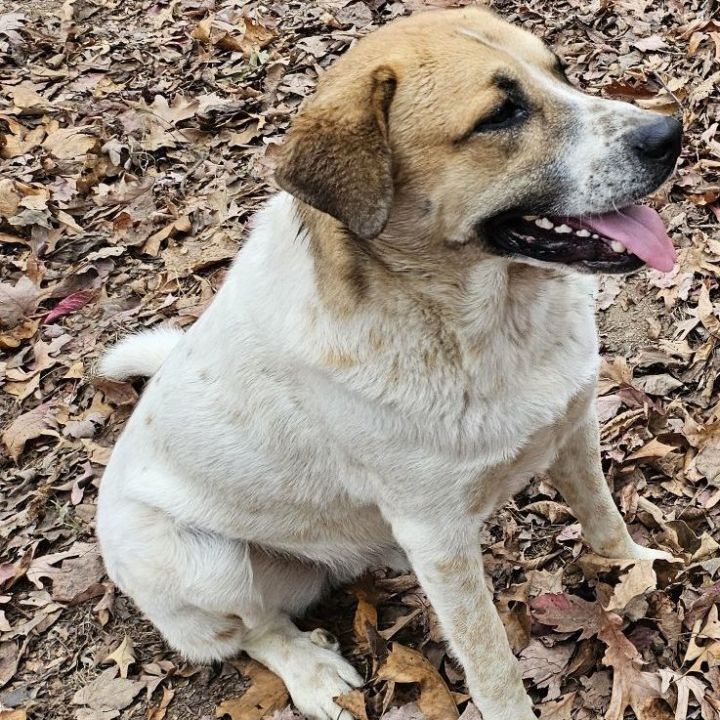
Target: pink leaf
[{"x": 70, "y": 304}]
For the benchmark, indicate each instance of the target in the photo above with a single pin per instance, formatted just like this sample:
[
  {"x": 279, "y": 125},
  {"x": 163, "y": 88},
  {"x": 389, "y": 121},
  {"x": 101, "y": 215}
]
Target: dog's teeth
[
  {"x": 618, "y": 247},
  {"x": 582, "y": 233},
  {"x": 595, "y": 237},
  {"x": 530, "y": 218},
  {"x": 544, "y": 223},
  {"x": 563, "y": 229}
]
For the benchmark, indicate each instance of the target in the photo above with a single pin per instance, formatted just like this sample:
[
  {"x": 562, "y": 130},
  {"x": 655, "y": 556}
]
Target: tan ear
[{"x": 337, "y": 156}]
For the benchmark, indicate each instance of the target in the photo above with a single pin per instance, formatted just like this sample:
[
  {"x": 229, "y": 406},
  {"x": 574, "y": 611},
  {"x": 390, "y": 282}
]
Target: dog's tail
[{"x": 141, "y": 354}]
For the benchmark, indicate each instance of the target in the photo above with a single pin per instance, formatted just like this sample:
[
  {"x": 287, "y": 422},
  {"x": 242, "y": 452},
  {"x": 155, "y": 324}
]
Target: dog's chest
[{"x": 479, "y": 393}]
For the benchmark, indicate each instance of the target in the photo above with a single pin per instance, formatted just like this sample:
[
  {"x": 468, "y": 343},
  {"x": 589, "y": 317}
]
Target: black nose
[{"x": 658, "y": 140}]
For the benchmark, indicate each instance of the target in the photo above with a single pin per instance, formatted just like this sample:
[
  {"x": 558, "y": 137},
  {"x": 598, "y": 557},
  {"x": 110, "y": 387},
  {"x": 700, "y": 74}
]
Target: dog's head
[{"x": 461, "y": 128}]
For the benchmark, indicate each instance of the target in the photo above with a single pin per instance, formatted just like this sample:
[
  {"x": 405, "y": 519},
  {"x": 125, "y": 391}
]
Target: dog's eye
[{"x": 506, "y": 115}]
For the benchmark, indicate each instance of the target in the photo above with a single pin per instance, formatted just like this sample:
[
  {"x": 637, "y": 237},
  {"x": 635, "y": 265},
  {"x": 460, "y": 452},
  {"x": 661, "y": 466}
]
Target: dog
[{"x": 405, "y": 339}]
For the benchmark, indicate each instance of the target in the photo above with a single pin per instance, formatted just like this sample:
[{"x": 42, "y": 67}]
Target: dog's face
[{"x": 462, "y": 130}]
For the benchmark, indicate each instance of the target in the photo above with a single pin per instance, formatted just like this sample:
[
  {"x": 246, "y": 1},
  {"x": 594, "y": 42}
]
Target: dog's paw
[
  {"x": 323, "y": 676},
  {"x": 640, "y": 552}
]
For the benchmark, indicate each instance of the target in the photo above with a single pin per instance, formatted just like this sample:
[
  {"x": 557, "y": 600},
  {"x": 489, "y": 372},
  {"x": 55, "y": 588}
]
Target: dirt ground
[{"x": 137, "y": 138}]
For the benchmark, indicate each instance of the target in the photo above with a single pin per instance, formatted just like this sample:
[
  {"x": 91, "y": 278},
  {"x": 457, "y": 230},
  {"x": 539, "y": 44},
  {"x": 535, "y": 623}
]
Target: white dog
[{"x": 406, "y": 337}]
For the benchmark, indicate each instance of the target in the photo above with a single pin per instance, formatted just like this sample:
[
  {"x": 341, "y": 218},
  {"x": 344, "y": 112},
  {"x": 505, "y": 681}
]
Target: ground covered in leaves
[{"x": 137, "y": 137}]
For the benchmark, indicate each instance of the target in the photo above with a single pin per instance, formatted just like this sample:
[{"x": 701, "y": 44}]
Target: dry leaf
[
  {"x": 180, "y": 226},
  {"x": 159, "y": 712},
  {"x": 406, "y": 712},
  {"x": 9, "y": 655},
  {"x": 13, "y": 715},
  {"x": 72, "y": 303},
  {"x": 26, "y": 100},
  {"x": 123, "y": 656},
  {"x": 366, "y": 617},
  {"x": 546, "y": 666},
  {"x": 29, "y": 426},
  {"x": 568, "y": 613},
  {"x": 707, "y": 651},
  {"x": 266, "y": 694},
  {"x": 79, "y": 579},
  {"x": 558, "y": 709},
  {"x": 662, "y": 384},
  {"x": 404, "y": 665},
  {"x": 69, "y": 143},
  {"x": 195, "y": 254},
  {"x": 19, "y": 301},
  {"x": 653, "y": 449},
  {"x": 108, "y": 692},
  {"x": 632, "y": 688},
  {"x": 637, "y": 581},
  {"x": 354, "y": 702}
]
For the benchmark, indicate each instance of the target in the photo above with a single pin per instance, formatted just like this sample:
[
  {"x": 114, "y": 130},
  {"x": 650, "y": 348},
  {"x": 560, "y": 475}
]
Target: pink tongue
[{"x": 640, "y": 229}]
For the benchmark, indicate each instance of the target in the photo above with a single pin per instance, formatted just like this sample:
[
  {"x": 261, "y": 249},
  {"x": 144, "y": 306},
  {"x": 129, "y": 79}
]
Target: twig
[{"x": 668, "y": 90}]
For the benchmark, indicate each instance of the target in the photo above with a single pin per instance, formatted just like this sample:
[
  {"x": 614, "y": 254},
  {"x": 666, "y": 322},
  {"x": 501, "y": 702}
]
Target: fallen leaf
[
  {"x": 662, "y": 384},
  {"x": 568, "y": 613},
  {"x": 560, "y": 709},
  {"x": 123, "y": 656},
  {"x": 9, "y": 655},
  {"x": 10, "y": 23},
  {"x": 26, "y": 100},
  {"x": 194, "y": 254},
  {"x": 9, "y": 200},
  {"x": 354, "y": 702},
  {"x": 72, "y": 303},
  {"x": 70, "y": 143},
  {"x": 19, "y": 301},
  {"x": 79, "y": 579},
  {"x": 546, "y": 666},
  {"x": 638, "y": 580},
  {"x": 366, "y": 617},
  {"x": 707, "y": 652},
  {"x": 652, "y": 449},
  {"x": 29, "y": 426},
  {"x": 181, "y": 225},
  {"x": 649, "y": 44},
  {"x": 404, "y": 665},
  {"x": 108, "y": 692},
  {"x": 13, "y": 715},
  {"x": 405, "y": 712},
  {"x": 160, "y": 711},
  {"x": 553, "y": 511},
  {"x": 686, "y": 686},
  {"x": 266, "y": 694},
  {"x": 632, "y": 688},
  {"x": 609, "y": 290}
]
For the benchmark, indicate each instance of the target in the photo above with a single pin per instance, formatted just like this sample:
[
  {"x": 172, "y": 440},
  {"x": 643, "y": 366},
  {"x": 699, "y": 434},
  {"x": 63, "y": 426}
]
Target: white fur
[{"x": 140, "y": 354}]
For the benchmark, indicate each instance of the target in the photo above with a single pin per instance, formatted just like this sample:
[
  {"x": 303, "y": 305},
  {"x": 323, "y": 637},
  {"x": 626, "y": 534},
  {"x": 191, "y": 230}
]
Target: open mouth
[{"x": 614, "y": 242}]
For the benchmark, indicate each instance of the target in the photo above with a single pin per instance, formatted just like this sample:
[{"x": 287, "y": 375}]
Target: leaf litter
[{"x": 136, "y": 140}]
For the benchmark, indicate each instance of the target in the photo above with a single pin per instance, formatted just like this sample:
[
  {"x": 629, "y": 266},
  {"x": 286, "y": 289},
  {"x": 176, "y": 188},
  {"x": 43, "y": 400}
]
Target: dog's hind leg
[{"x": 212, "y": 597}]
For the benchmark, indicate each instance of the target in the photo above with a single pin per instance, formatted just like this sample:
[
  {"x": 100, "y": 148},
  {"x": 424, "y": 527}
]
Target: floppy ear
[{"x": 337, "y": 156}]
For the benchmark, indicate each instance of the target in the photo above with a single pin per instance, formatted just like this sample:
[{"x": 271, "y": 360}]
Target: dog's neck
[{"x": 351, "y": 272}]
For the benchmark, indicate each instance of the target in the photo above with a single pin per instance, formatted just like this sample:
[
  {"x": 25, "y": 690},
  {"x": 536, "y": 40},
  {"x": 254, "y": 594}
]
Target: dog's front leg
[
  {"x": 577, "y": 473},
  {"x": 448, "y": 561}
]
